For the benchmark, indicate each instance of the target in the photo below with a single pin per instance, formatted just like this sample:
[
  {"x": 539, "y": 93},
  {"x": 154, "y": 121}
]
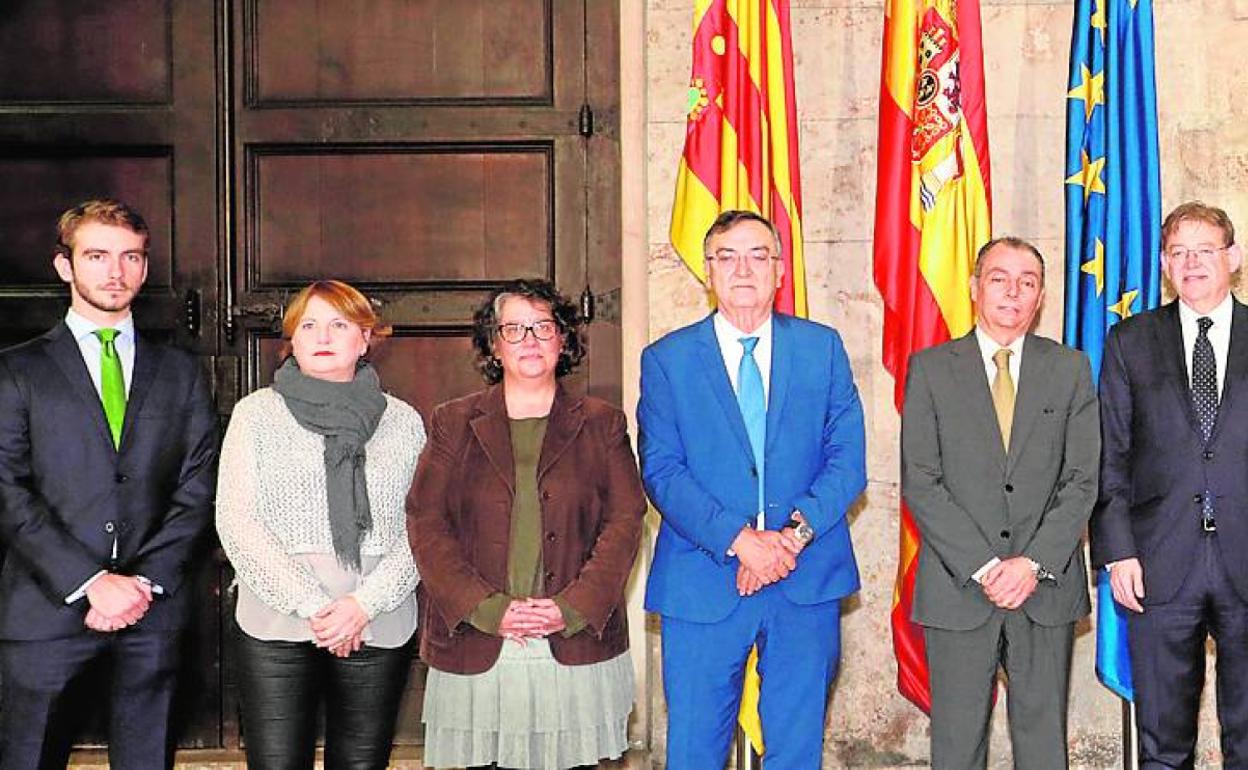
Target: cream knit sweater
[{"x": 271, "y": 506}]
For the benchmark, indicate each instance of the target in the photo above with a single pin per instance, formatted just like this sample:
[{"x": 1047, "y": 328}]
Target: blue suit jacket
[{"x": 699, "y": 471}]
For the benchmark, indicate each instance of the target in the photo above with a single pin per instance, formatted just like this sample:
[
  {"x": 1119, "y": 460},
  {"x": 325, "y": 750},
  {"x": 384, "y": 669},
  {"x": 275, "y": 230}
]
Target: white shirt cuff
[
  {"x": 82, "y": 589},
  {"x": 978, "y": 575}
]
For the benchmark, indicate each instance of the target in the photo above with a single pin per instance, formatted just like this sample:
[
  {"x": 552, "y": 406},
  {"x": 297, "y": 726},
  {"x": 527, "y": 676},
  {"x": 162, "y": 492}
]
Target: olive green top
[{"x": 524, "y": 553}]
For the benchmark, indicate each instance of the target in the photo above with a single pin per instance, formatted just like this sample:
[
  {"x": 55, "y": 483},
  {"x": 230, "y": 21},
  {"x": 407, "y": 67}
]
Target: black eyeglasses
[{"x": 542, "y": 331}]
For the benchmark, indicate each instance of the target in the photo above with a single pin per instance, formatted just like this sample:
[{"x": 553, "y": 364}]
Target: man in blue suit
[{"x": 752, "y": 449}]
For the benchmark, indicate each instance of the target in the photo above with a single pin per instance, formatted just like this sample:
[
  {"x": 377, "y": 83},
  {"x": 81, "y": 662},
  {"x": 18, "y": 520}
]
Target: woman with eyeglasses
[{"x": 524, "y": 520}]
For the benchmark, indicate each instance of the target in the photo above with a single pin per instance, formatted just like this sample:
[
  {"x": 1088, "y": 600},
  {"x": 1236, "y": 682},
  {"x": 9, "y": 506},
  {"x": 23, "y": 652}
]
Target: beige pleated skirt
[{"x": 529, "y": 711}]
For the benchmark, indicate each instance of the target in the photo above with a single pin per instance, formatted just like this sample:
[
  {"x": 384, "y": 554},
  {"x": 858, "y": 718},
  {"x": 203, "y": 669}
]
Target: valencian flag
[
  {"x": 932, "y": 213},
  {"x": 1113, "y": 217},
  {"x": 741, "y": 135},
  {"x": 741, "y": 153}
]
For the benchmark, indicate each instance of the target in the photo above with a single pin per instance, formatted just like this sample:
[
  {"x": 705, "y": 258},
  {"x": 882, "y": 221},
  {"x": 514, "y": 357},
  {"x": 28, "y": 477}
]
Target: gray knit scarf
[{"x": 346, "y": 414}]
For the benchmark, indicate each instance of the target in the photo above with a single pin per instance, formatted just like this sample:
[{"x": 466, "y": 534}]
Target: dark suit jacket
[
  {"x": 459, "y": 525},
  {"x": 972, "y": 500},
  {"x": 65, "y": 491},
  {"x": 1156, "y": 466}
]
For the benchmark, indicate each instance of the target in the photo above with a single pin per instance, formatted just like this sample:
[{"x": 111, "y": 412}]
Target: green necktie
[{"x": 112, "y": 383}]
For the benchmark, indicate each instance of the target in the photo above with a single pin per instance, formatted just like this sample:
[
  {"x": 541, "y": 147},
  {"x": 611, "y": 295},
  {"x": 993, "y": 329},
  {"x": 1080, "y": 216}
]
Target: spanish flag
[
  {"x": 741, "y": 153},
  {"x": 932, "y": 213},
  {"x": 741, "y": 134}
]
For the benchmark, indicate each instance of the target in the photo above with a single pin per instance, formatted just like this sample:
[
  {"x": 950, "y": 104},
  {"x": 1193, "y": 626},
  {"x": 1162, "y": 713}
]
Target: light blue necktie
[{"x": 753, "y": 403}]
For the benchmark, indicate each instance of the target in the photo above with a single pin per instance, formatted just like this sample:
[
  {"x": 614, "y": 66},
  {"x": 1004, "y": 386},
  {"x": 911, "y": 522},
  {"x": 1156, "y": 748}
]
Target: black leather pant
[{"x": 282, "y": 686}]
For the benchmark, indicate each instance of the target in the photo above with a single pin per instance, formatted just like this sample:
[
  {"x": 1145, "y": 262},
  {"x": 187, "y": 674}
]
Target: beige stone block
[
  {"x": 870, "y": 724},
  {"x": 1026, "y": 58},
  {"x": 665, "y": 143},
  {"x": 838, "y": 179},
  {"x": 676, "y": 297},
  {"x": 1028, "y": 159},
  {"x": 836, "y": 55},
  {"x": 669, "y": 55}
]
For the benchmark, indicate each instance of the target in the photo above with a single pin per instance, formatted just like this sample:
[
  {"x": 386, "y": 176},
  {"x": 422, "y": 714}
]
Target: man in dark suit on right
[
  {"x": 1170, "y": 523},
  {"x": 108, "y": 448}
]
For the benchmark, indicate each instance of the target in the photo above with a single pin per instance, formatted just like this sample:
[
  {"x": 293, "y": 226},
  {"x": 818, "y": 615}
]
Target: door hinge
[{"x": 585, "y": 122}]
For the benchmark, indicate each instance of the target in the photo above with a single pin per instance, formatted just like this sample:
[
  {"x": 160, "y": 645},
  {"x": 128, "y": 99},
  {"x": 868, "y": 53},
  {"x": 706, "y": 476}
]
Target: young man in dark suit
[
  {"x": 108, "y": 449},
  {"x": 1169, "y": 523}
]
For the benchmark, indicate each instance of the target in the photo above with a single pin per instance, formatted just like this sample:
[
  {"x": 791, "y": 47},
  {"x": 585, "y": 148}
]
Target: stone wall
[{"x": 1204, "y": 142}]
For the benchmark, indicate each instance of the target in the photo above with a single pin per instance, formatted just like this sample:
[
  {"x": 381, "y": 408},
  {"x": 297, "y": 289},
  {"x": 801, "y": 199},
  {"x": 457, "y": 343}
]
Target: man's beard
[{"x": 103, "y": 299}]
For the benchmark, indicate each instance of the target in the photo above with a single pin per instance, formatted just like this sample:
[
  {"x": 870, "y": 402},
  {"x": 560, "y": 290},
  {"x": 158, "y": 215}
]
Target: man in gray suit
[{"x": 1001, "y": 480}]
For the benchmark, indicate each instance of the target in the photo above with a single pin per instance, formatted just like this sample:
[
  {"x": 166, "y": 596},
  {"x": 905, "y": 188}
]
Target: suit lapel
[
  {"x": 566, "y": 420},
  {"x": 720, "y": 386},
  {"x": 1031, "y": 396},
  {"x": 493, "y": 433},
  {"x": 1169, "y": 339},
  {"x": 781, "y": 371},
  {"x": 1236, "y": 364},
  {"x": 64, "y": 351},
  {"x": 968, "y": 364},
  {"x": 147, "y": 358}
]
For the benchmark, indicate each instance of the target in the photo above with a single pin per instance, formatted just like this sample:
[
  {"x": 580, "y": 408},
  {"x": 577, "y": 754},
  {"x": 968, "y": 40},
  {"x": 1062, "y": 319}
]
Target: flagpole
[
  {"x": 1130, "y": 751},
  {"x": 746, "y": 758}
]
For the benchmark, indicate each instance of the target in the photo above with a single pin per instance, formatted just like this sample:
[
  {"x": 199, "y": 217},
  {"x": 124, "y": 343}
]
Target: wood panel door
[
  {"x": 424, "y": 152},
  {"x": 119, "y": 99}
]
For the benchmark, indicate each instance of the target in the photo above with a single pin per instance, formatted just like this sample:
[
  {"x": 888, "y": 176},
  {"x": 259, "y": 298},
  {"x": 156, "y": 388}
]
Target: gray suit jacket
[{"x": 972, "y": 500}]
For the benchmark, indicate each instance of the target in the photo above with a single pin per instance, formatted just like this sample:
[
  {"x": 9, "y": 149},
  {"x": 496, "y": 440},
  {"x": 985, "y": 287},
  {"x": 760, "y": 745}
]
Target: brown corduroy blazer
[{"x": 459, "y": 524}]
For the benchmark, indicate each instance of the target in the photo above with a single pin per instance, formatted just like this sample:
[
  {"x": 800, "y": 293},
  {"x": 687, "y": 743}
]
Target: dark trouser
[
  {"x": 282, "y": 685},
  {"x": 963, "y": 667},
  {"x": 1167, "y": 646},
  {"x": 39, "y": 709}
]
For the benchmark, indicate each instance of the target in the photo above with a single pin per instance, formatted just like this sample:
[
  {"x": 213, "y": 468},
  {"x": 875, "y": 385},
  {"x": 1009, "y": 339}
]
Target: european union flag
[{"x": 1113, "y": 217}]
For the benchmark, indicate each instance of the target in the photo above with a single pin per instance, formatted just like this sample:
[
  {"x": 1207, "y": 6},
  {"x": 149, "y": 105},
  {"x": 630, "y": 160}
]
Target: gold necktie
[{"x": 1003, "y": 394}]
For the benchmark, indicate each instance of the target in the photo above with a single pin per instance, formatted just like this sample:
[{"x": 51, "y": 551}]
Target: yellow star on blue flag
[{"x": 1113, "y": 216}]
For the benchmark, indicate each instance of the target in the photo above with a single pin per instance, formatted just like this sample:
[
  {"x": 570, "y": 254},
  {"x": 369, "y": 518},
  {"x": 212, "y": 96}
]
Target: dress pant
[
  {"x": 41, "y": 706},
  {"x": 963, "y": 673},
  {"x": 282, "y": 686},
  {"x": 799, "y": 649},
  {"x": 1167, "y": 643}
]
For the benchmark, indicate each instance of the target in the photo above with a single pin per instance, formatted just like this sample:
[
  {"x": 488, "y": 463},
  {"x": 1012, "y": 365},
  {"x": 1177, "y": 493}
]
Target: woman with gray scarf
[{"x": 313, "y": 474}]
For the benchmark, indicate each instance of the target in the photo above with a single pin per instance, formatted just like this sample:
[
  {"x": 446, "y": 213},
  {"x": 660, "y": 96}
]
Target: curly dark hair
[{"x": 565, "y": 312}]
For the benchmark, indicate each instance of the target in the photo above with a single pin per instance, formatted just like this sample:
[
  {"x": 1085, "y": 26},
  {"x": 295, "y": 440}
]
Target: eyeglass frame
[
  {"x": 528, "y": 329},
  {"x": 754, "y": 257},
  {"x": 1203, "y": 253}
]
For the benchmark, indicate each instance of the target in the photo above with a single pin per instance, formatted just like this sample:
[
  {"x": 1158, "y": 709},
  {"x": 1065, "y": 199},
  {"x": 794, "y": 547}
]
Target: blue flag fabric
[{"x": 1113, "y": 217}]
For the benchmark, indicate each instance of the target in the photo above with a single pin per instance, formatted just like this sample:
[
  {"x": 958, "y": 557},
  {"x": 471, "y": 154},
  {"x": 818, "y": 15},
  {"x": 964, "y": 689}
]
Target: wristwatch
[{"x": 801, "y": 530}]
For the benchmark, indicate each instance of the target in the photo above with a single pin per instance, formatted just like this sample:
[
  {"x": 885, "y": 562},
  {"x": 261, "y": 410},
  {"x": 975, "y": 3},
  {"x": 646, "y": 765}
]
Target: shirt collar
[
  {"x": 725, "y": 329},
  {"x": 1220, "y": 315},
  {"x": 81, "y": 327},
  {"x": 988, "y": 346}
]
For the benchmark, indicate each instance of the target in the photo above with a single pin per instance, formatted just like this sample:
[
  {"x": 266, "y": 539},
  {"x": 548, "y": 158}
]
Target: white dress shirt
[
  {"x": 730, "y": 347},
  {"x": 988, "y": 348},
  {"x": 1219, "y": 336},
  {"x": 729, "y": 339},
  {"x": 90, "y": 346}
]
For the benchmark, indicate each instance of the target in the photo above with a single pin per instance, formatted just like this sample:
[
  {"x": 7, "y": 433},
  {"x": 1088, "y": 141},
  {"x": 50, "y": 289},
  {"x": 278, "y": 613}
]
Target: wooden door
[
  {"x": 423, "y": 150},
  {"x": 118, "y": 99}
]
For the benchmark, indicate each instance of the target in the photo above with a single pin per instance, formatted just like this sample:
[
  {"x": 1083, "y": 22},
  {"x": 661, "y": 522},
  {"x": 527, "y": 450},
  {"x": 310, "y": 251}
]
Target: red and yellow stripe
[
  {"x": 741, "y": 136},
  {"x": 925, "y": 245}
]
